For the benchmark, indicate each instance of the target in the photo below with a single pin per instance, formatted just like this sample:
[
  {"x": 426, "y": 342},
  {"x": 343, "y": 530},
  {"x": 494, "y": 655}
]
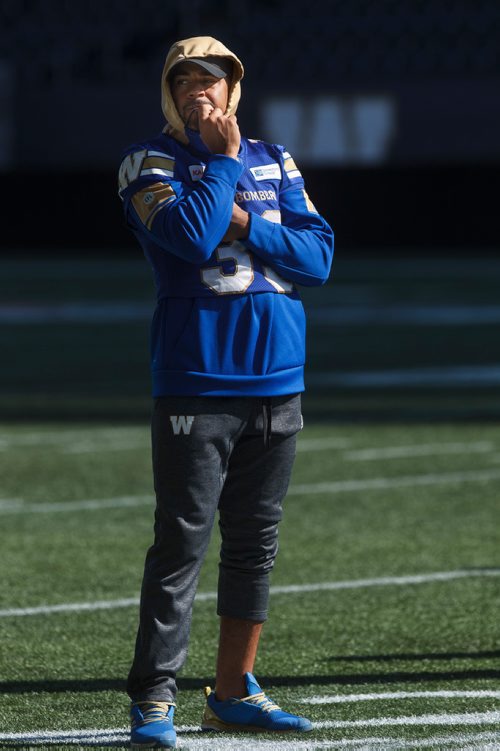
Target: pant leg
[
  {"x": 251, "y": 508},
  {"x": 190, "y": 460}
]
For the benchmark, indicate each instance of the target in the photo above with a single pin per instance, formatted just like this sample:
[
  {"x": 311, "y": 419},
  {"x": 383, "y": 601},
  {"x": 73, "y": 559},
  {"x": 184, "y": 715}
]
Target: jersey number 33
[{"x": 240, "y": 277}]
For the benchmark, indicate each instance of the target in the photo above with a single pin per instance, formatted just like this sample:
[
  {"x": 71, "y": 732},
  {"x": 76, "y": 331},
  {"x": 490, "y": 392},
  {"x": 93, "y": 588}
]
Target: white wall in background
[{"x": 333, "y": 129}]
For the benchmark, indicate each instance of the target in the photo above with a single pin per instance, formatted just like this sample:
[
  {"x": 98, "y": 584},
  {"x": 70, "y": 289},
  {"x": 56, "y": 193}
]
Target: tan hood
[{"x": 196, "y": 47}]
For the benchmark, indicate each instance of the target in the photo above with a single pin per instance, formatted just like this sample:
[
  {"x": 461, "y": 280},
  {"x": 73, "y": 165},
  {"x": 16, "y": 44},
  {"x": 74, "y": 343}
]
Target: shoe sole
[
  {"x": 152, "y": 744},
  {"x": 226, "y": 727}
]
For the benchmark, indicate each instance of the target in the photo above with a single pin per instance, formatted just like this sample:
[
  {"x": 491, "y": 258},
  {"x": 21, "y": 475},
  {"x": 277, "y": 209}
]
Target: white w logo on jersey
[
  {"x": 181, "y": 423},
  {"x": 130, "y": 168}
]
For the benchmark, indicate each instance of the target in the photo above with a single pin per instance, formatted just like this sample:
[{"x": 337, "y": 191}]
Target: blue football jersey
[{"x": 229, "y": 320}]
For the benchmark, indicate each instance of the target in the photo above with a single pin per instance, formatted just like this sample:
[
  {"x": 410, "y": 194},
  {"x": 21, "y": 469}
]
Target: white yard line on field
[
  {"x": 93, "y": 443},
  {"x": 385, "y": 695},
  {"x": 468, "y": 718},
  {"x": 126, "y": 438},
  {"x": 64, "y": 436},
  {"x": 112, "y": 439},
  {"x": 67, "y": 736},
  {"x": 99, "y": 444},
  {"x": 321, "y": 444},
  {"x": 124, "y": 444},
  {"x": 422, "y": 449},
  {"x": 190, "y": 739},
  {"x": 403, "y": 481},
  {"x": 91, "y": 447},
  {"x": 386, "y": 581},
  {"x": 19, "y": 506}
]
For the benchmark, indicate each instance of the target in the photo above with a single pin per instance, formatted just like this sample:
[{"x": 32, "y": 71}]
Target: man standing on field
[{"x": 229, "y": 231}]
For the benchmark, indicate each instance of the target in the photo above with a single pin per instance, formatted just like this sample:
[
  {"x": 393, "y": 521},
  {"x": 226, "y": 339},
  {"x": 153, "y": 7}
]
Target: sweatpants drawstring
[{"x": 267, "y": 421}]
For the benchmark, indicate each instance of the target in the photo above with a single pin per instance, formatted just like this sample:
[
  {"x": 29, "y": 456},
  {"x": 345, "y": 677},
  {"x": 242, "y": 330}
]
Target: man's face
[{"x": 193, "y": 86}]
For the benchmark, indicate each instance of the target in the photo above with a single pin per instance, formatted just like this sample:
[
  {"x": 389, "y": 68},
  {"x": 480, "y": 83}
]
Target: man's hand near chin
[
  {"x": 220, "y": 134},
  {"x": 239, "y": 225}
]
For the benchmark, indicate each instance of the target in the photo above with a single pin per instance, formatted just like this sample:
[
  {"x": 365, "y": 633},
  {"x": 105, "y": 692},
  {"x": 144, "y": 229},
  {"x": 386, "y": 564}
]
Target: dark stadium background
[{"x": 79, "y": 81}]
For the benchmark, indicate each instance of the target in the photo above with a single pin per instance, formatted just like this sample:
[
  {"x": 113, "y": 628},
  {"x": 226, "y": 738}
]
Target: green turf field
[
  {"x": 384, "y": 627},
  {"x": 384, "y": 622}
]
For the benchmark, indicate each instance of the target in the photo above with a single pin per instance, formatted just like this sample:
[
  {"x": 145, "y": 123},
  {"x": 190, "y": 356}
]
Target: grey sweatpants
[{"x": 231, "y": 454}]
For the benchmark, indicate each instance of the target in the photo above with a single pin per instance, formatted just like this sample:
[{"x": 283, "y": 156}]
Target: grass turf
[{"x": 65, "y": 671}]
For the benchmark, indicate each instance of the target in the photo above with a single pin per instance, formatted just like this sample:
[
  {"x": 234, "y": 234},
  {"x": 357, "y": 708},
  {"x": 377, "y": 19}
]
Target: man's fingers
[
  {"x": 216, "y": 114},
  {"x": 204, "y": 111},
  {"x": 219, "y": 132}
]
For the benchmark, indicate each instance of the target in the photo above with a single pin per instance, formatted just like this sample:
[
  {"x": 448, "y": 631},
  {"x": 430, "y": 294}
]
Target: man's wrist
[{"x": 246, "y": 226}]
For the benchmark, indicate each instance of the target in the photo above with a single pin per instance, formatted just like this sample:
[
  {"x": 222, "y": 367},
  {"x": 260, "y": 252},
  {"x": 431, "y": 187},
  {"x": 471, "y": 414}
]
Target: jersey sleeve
[
  {"x": 184, "y": 220},
  {"x": 301, "y": 247}
]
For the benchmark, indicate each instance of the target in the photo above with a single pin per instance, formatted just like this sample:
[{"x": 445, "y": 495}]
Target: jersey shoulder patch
[
  {"x": 290, "y": 167},
  {"x": 150, "y": 199},
  {"x": 145, "y": 162}
]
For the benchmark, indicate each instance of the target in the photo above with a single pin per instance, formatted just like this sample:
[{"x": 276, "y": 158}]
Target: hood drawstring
[{"x": 267, "y": 420}]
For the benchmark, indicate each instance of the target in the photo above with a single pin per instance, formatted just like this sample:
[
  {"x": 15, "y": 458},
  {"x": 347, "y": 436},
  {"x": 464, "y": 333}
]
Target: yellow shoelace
[
  {"x": 261, "y": 701},
  {"x": 154, "y": 711}
]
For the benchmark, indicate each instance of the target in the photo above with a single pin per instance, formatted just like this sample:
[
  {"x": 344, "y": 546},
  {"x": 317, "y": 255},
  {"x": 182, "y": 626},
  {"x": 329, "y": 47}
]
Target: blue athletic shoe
[
  {"x": 152, "y": 725},
  {"x": 255, "y": 713}
]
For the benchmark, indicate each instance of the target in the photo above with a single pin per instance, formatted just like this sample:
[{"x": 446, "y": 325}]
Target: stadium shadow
[
  {"x": 197, "y": 684},
  {"x": 88, "y": 686}
]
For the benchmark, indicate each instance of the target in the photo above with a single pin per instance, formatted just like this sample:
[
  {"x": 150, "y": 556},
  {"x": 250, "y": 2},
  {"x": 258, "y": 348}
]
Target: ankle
[{"x": 230, "y": 689}]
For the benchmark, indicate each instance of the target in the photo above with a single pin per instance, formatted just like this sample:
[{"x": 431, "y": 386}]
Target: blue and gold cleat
[
  {"x": 152, "y": 725},
  {"x": 255, "y": 713}
]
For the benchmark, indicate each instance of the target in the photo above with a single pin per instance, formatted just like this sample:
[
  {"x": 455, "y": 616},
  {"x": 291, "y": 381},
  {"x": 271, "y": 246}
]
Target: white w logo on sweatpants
[{"x": 181, "y": 423}]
